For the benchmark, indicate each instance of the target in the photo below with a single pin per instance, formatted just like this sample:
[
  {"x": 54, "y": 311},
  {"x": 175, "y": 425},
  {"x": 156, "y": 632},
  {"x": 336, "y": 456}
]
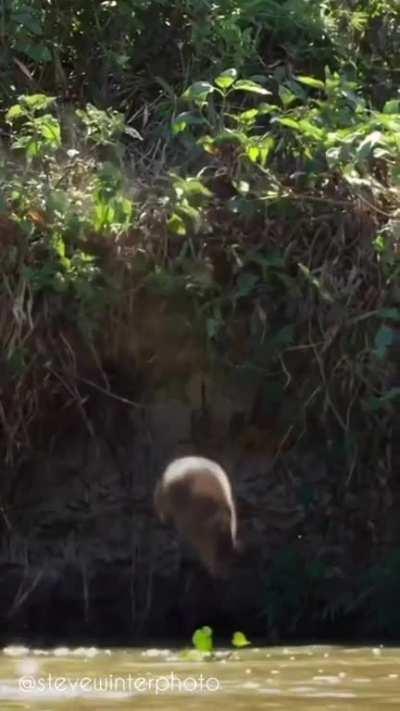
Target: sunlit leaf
[
  {"x": 14, "y": 112},
  {"x": 310, "y": 129},
  {"x": 248, "y": 116},
  {"x": 33, "y": 149},
  {"x": 266, "y": 148},
  {"x": 176, "y": 225},
  {"x": 192, "y": 186},
  {"x": 253, "y": 153},
  {"x": 199, "y": 91},
  {"x": 51, "y": 130},
  {"x": 38, "y": 102},
  {"x": 226, "y": 78},
  {"x": 104, "y": 215},
  {"x": 239, "y": 639},
  {"x": 229, "y": 136},
  {"x": 203, "y": 639},
  {"x": 289, "y": 122},
  {"x": 185, "y": 119},
  {"x": 208, "y": 143},
  {"x": 311, "y": 81},
  {"x": 250, "y": 86}
]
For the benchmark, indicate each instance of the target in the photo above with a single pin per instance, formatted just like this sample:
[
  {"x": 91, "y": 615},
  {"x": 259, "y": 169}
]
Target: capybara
[{"x": 195, "y": 495}]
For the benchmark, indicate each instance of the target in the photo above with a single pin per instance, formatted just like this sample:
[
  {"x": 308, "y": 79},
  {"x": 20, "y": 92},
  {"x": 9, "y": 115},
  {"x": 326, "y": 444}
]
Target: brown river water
[{"x": 280, "y": 678}]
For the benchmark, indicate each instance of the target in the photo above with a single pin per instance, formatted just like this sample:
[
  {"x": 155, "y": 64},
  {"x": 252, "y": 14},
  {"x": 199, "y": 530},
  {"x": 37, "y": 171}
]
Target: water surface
[{"x": 280, "y": 678}]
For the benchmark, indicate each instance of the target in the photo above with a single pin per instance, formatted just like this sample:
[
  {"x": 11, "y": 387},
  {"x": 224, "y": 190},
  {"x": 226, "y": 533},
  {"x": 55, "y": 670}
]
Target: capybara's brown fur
[{"x": 195, "y": 495}]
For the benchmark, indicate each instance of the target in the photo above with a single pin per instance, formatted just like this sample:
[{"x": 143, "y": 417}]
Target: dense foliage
[{"x": 239, "y": 158}]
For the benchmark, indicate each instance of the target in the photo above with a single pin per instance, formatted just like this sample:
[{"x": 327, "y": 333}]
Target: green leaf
[
  {"x": 230, "y": 136},
  {"x": 253, "y": 153},
  {"x": 391, "y": 314},
  {"x": 248, "y": 116},
  {"x": 199, "y": 91},
  {"x": 359, "y": 20},
  {"x": 383, "y": 339},
  {"x": 33, "y": 148},
  {"x": 250, "y": 86},
  {"x": 59, "y": 245},
  {"x": 37, "y": 102},
  {"x": 366, "y": 147},
  {"x": 14, "y": 112},
  {"x": 266, "y": 148},
  {"x": 37, "y": 52},
  {"x": 21, "y": 142},
  {"x": 104, "y": 214},
  {"x": 190, "y": 187},
  {"x": 226, "y": 78},
  {"x": 29, "y": 19},
  {"x": 311, "y": 81},
  {"x": 185, "y": 119},
  {"x": 309, "y": 129},
  {"x": 297, "y": 90},
  {"x": 176, "y": 225},
  {"x": 51, "y": 130},
  {"x": 124, "y": 208},
  {"x": 208, "y": 143},
  {"x": 189, "y": 214},
  {"x": 239, "y": 639},
  {"x": 261, "y": 150},
  {"x": 392, "y": 107},
  {"x": 289, "y": 122},
  {"x": 286, "y": 96},
  {"x": 303, "y": 126},
  {"x": 202, "y": 639}
]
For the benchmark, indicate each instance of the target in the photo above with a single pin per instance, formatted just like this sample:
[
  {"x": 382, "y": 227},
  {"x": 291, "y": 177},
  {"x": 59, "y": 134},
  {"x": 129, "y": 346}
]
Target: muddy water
[{"x": 290, "y": 678}]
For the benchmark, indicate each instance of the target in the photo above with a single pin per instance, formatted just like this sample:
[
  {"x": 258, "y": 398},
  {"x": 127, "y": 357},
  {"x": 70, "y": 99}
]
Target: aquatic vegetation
[
  {"x": 203, "y": 640},
  {"x": 204, "y": 648},
  {"x": 240, "y": 640}
]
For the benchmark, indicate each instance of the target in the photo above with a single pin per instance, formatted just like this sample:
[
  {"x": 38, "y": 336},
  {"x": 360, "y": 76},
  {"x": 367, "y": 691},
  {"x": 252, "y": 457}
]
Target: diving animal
[{"x": 195, "y": 495}]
